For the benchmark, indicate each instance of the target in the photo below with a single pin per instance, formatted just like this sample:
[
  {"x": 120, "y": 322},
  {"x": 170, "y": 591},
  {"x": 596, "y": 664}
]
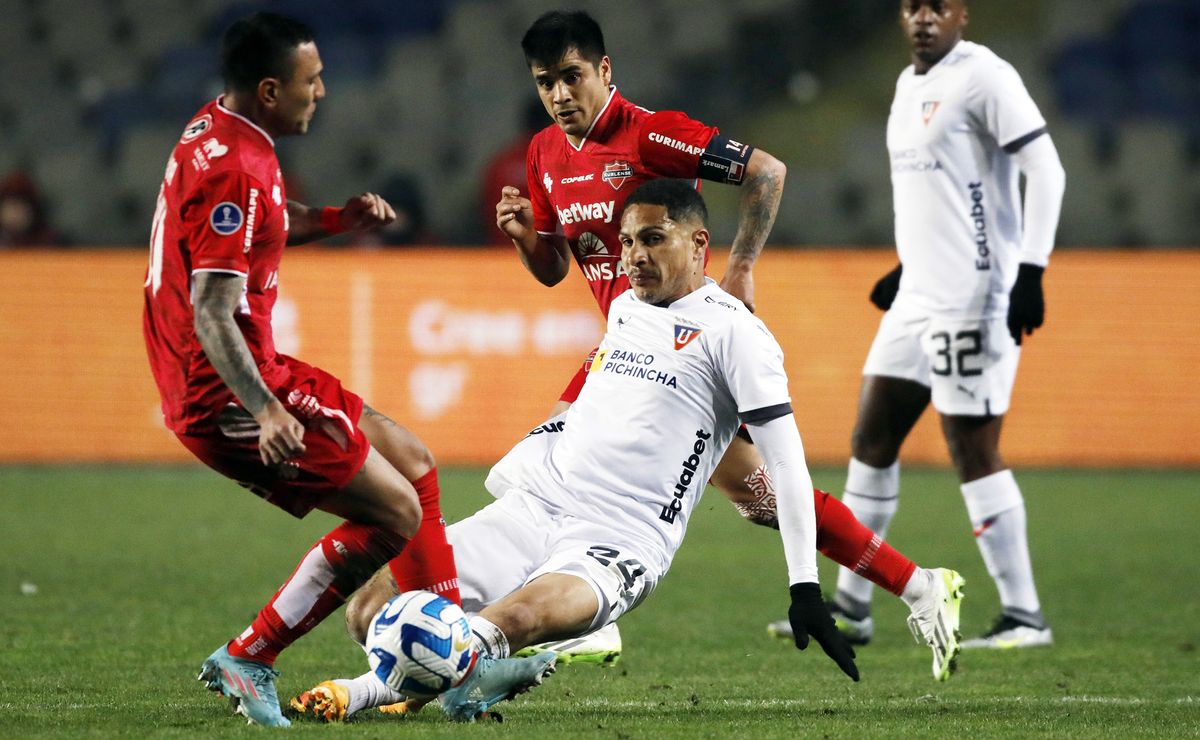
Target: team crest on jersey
[
  {"x": 226, "y": 218},
  {"x": 928, "y": 108},
  {"x": 196, "y": 128},
  {"x": 684, "y": 335},
  {"x": 615, "y": 173},
  {"x": 547, "y": 181}
]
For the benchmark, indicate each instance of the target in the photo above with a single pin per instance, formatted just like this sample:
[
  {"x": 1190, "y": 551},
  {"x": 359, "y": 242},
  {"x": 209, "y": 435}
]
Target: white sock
[
  {"x": 918, "y": 585},
  {"x": 872, "y": 494},
  {"x": 367, "y": 691},
  {"x": 997, "y": 513},
  {"x": 488, "y": 639}
]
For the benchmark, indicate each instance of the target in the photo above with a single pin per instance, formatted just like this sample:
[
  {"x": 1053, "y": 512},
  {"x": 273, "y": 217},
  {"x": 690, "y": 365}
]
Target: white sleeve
[
  {"x": 779, "y": 442},
  {"x": 1004, "y": 107},
  {"x": 1045, "y": 182},
  {"x": 751, "y": 361}
]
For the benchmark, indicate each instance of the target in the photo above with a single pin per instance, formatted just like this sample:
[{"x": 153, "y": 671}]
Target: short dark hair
[
  {"x": 680, "y": 198},
  {"x": 555, "y": 33},
  {"x": 260, "y": 46}
]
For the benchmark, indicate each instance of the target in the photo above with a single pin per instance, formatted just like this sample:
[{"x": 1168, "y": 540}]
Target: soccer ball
[{"x": 419, "y": 644}]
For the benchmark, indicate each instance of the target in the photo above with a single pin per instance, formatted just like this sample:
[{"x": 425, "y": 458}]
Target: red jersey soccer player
[
  {"x": 284, "y": 429},
  {"x": 581, "y": 171}
]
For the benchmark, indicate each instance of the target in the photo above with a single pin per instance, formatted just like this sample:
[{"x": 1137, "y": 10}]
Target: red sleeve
[
  {"x": 545, "y": 220},
  {"x": 670, "y": 144},
  {"x": 214, "y": 219}
]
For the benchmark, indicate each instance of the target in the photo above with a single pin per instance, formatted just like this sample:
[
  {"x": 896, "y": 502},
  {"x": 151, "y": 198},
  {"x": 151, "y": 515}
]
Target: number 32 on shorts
[{"x": 957, "y": 353}]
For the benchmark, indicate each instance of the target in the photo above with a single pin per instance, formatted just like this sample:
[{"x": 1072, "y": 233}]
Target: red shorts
[
  {"x": 571, "y": 392},
  {"x": 335, "y": 448}
]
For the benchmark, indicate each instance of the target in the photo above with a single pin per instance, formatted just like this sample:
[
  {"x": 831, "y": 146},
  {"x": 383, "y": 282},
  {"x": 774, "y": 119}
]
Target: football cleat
[
  {"x": 492, "y": 681},
  {"x": 856, "y": 631},
  {"x": 934, "y": 621},
  {"x": 327, "y": 702},
  {"x": 1009, "y": 632},
  {"x": 249, "y": 685},
  {"x": 602, "y": 647},
  {"x": 405, "y": 708}
]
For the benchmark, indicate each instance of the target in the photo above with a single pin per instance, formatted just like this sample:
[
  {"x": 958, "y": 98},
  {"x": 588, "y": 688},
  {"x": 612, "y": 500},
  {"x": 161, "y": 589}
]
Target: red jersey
[
  {"x": 221, "y": 208},
  {"x": 579, "y": 192}
]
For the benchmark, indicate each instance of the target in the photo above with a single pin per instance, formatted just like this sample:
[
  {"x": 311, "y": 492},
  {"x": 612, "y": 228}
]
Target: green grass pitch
[{"x": 116, "y": 582}]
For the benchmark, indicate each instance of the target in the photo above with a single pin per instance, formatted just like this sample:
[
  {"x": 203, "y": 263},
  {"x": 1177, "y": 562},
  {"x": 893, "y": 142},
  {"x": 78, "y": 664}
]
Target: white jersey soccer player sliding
[
  {"x": 584, "y": 532},
  {"x": 962, "y": 128}
]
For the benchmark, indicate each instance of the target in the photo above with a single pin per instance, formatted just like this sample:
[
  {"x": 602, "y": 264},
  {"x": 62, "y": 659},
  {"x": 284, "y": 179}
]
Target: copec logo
[{"x": 438, "y": 328}]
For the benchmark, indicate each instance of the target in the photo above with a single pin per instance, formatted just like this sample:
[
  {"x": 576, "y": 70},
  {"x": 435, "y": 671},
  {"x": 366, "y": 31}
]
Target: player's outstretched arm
[
  {"x": 216, "y": 298},
  {"x": 362, "y": 212},
  {"x": 779, "y": 441},
  {"x": 762, "y": 189},
  {"x": 547, "y": 258}
]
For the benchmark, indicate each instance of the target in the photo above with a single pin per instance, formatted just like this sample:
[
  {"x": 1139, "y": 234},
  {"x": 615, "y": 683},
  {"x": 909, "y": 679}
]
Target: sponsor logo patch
[
  {"x": 213, "y": 148},
  {"x": 226, "y": 218},
  {"x": 590, "y": 245},
  {"x": 615, "y": 173},
  {"x": 579, "y": 212},
  {"x": 196, "y": 128}
]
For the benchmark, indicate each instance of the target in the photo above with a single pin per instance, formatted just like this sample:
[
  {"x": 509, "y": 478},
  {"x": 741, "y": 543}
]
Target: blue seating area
[
  {"x": 429, "y": 89},
  {"x": 1146, "y": 66}
]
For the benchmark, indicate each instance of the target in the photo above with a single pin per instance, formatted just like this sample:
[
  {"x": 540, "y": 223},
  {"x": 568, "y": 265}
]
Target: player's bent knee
[
  {"x": 405, "y": 512},
  {"x": 398, "y": 445}
]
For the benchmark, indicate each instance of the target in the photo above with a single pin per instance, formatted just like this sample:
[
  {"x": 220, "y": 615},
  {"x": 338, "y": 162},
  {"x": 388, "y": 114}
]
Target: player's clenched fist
[
  {"x": 514, "y": 214},
  {"x": 366, "y": 211},
  {"x": 281, "y": 435}
]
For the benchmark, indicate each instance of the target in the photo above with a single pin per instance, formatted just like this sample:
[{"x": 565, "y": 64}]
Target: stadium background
[{"x": 461, "y": 345}]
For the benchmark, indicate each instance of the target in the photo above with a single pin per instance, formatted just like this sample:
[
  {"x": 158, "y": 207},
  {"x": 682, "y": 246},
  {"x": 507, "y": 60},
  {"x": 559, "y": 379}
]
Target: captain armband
[{"x": 724, "y": 160}]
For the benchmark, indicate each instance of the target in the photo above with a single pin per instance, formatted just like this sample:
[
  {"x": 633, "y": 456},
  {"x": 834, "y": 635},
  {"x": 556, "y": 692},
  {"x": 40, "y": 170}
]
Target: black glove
[
  {"x": 809, "y": 616},
  {"x": 884, "y": 291},
  {"x": 1026, "y": 305}
]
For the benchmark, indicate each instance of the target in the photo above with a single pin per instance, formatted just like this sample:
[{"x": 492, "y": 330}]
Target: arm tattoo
[
  {"x": 217, "y": 296},
  {"x": 756, "y": 213},
  {"x": 381, "y": 417}
]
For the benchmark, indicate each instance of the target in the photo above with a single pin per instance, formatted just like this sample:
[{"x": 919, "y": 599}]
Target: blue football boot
[
  {"x": 250, "y": 687},
  {"x": 492, "y": 681}
]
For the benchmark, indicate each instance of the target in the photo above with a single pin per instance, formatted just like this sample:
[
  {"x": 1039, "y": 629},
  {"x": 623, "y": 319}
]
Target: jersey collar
[
  {"x": 220, "y": 107},
  {"x": 696, "y": 295},
  {"x": 613, "y": 95},
  {"x": 956, "y": 49}
]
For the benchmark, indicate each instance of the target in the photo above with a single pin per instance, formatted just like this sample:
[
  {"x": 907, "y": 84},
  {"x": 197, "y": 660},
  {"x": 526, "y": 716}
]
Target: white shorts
[
  {"x": 969, "y": 365},
  {"x": 515, "y": 539},
  {"x": 528, "y": 454}
]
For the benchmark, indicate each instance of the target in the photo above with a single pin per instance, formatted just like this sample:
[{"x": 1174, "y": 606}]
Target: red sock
[
  {"x": 428, "y": 562},
  {"x": 844, "y": 540},
  {"x": 340, "y": 562}
]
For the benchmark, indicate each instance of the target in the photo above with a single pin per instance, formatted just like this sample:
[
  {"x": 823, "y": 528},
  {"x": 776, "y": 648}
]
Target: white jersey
[
  {"x": 954, "y": 187},
  {"x": 665, "y": 395}
]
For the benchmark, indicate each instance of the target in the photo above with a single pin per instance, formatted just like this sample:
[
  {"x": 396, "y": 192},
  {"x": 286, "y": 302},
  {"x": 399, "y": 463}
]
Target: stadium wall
[{"x": 466, "y": 349}]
